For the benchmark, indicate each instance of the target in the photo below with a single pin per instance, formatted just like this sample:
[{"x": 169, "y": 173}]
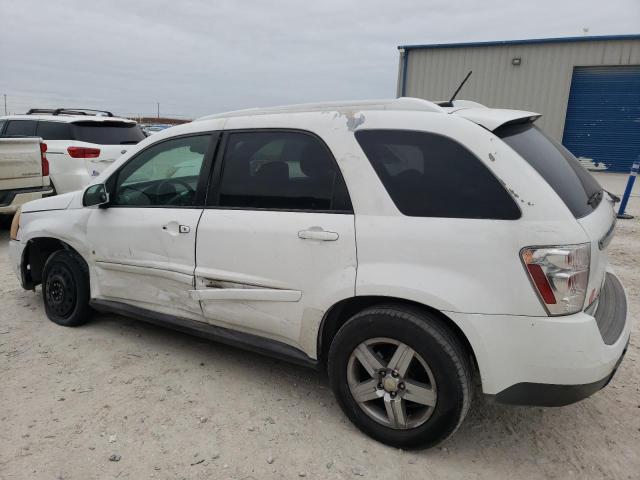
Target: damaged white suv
[{"x": 414, "y": 250}]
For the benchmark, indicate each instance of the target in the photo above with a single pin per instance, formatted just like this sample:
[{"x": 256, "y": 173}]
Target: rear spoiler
[{"x": 493, "y": 118}]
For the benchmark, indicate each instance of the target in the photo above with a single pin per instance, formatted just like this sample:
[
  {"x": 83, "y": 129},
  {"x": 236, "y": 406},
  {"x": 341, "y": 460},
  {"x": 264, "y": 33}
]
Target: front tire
[
  {"x": 401, "y": 376},
  {"x": 65, "y": 289}
]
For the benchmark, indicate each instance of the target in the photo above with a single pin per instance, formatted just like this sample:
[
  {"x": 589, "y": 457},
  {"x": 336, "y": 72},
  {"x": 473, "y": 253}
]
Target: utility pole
[
  {"x": 158, "y": 103},
  {"x": 5, "y": 103}
]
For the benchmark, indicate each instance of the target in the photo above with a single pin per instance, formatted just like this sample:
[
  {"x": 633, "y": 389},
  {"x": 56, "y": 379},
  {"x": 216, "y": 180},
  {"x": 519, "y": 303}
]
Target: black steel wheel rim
[{"x": 60, "y": 291}]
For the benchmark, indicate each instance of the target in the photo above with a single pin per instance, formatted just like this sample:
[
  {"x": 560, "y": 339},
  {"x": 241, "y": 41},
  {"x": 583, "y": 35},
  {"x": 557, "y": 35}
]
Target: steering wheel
[
  {"x": 174, "y": 181},
  {"x": 126, "y": 187}
]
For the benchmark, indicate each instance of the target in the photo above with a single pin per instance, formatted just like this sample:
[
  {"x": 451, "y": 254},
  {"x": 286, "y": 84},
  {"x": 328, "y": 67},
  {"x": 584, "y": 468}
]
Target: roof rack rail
[
  {"x": 39, "y": 110},
  {"x": 402, "y": 103},
  {"x": 69, "y": 111},
  {"x": 80, "y": 111}
]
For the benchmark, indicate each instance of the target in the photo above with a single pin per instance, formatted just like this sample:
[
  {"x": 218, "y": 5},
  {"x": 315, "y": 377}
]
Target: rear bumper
[
  {"x": 549, "y": 360},
  {"x": 551, "y": 395},
  {"x": 611, "y": 311},
  {"x": 11, "y": 200}
]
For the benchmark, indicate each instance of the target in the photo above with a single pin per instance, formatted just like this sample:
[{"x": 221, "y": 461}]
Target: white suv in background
[
  {"x": 81, "y": 143},
  {"x": 411, "y": 249}
]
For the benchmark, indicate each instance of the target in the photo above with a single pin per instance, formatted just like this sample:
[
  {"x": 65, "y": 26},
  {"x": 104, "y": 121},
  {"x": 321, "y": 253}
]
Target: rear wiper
[
  {"x": 615, "y": 198},
  {"x": 595, "y": 198},
  {"x": 128, "y": 142}
]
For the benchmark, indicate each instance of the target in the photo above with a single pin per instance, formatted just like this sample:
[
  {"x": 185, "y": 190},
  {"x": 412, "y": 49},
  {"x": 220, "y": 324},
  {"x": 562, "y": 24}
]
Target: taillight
[
  {"x": 83, "y": 152},
  {"x": 560, "y": 275},
  {"x": 44, "y": 163}
]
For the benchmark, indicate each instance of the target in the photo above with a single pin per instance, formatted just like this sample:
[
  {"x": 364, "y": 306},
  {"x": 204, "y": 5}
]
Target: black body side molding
[{"x": 254, "y": 343}]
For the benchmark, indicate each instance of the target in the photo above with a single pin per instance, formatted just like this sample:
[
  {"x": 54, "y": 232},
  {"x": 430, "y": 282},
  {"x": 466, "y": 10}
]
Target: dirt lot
[{"x": 174, "y": 406}]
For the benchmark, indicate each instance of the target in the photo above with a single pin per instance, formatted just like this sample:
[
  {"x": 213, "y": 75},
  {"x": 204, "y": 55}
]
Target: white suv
[
  {"x": 81, "y": 143},
  {"x": 413, "y": 250}
]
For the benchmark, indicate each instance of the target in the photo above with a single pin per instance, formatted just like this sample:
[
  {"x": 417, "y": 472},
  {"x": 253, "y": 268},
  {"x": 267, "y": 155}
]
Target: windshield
[
  {"x": 107, "y": 133},
  {"x": 562, "y": 171}
]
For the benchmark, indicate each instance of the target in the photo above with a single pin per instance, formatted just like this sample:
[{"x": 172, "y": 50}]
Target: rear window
[
  {"x": 562, "y": 171},
  {"x": 429, "y": 175},
  {"x": 53, "y": 130},
  {"x": 24, "y": 128},
  {"x": 107, "y": 133}
]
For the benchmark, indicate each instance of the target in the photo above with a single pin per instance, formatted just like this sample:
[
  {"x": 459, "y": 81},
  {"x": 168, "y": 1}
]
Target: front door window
[{"x": 165, "y": 174}]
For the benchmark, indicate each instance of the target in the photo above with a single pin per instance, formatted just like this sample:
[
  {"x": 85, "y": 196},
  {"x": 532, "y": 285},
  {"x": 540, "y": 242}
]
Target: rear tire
[
  {"x": 401, "y": 376},
  {"x": 65, "y": 289},
  {"x": 5, "y": 221}
]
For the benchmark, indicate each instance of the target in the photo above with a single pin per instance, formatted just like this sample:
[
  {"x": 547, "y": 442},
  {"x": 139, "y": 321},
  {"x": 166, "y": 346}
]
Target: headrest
[
  {"x": 277, "y": 171},
  {"x": 315, "y": 161}
]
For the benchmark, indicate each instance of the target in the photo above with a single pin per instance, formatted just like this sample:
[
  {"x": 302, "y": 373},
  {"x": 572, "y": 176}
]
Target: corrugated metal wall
[{"x": 540, "y": 84}]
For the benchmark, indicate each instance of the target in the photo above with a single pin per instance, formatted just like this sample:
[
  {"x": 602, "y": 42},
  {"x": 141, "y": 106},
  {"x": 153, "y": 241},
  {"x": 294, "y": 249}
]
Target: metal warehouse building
[{"x": 587, "y": 88}]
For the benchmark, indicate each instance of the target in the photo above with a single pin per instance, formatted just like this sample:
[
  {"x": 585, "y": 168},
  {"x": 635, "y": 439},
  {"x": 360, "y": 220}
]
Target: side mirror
[{"x": 96, "y": 195}]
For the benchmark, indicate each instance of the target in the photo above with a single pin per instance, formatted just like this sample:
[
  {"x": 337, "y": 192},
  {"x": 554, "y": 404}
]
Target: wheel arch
[
  {"x": 35, "y": 255},
  {"x": 343, "y": 310}
]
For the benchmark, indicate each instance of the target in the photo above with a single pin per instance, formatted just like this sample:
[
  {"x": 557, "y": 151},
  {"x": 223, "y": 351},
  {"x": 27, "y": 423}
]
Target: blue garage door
[{"x": 603, "y": 116}]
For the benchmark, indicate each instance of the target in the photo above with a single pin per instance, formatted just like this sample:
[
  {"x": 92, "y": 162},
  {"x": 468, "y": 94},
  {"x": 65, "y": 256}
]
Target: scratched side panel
[{"x": 261, "y": 250}]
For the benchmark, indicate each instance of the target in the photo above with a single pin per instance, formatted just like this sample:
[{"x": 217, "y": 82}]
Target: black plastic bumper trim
[
  {"x": 611, "y": 314},
  {"x": 7, "y": 196},
  {"x": 551, "y": 395}
]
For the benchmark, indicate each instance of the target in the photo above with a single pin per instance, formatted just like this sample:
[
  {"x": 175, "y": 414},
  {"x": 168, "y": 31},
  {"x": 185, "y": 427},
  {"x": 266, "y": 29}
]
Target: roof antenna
[{"x": 450, "y": 102}]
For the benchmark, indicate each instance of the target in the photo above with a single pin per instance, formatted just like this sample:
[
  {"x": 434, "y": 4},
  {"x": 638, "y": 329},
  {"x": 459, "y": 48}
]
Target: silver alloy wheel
[{"x": 391, "y": 383}]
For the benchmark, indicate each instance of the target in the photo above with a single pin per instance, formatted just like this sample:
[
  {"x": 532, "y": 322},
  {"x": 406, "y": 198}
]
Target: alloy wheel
[{"x": 391, "y": 383}]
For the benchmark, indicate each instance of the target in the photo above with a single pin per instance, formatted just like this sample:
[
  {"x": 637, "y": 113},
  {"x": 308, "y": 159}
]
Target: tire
[
  {"x": 5, "y": 221},
  {"x": 65, "y": 289},
  {"x": 432, "y": 368}
]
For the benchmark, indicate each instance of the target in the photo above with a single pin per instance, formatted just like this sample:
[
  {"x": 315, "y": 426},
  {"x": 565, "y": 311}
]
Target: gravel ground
[{"x": 122, "y": 399}]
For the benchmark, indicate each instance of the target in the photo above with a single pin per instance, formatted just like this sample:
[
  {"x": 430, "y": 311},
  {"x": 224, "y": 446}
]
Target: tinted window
[
  {"x": 428, "y": 175},
  {"x": 575, "y": 185},
  {"x": 164, "y": 174},
  {"x": 107, "y": 133},
  {"x": 281, "y": 170},
  {"x": 2, "y": 122},
  {"x": 53, "y": 130},
  {"x": 25, "y": 128}
]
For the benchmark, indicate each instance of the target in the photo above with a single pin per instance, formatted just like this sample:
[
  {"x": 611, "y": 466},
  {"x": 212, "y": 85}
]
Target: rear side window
[
  {"x": 562, "y": 171},
  {"x": 2, "y": 122},
  {"x": 107, "y": 133},
  {"x": 25, "y": 128},
  {"x": 429, "y": 175},
  {"x": 283, "y": 171},
  {"x": 53, "y": 130}
]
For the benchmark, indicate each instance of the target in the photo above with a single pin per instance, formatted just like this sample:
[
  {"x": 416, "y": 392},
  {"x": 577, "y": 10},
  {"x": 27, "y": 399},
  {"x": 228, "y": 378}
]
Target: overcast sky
[{"x": 200, "y": 56}]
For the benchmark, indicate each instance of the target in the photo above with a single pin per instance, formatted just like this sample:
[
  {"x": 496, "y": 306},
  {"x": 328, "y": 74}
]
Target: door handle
[
  {"x": 317, "y": 233},
  {"x": 174, "y": 228}
]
